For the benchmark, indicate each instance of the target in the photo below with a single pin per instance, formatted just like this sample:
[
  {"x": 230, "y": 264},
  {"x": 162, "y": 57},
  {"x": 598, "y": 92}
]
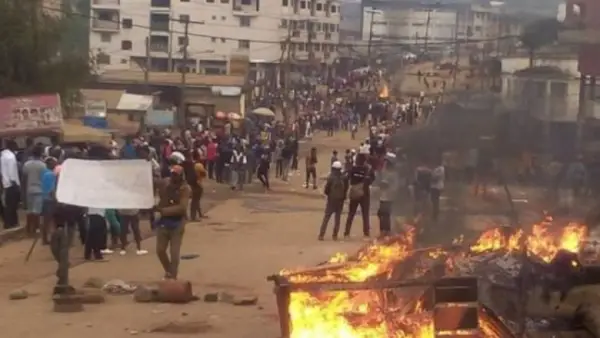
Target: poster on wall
[
  {"x": 160, "y": 117},
  {"x": 26, "y": 114}
]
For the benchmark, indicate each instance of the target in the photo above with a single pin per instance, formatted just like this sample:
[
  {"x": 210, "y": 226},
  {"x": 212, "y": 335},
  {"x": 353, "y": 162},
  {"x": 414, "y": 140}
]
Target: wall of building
[
  {"x": 546, "y": 97},
  {"x": 217, "y": 29}
]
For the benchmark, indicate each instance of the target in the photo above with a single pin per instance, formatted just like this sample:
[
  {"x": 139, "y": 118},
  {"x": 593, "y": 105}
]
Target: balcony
[
  {"x": 245, "y": 8},
  {"x": 159, "y": 23},
  {"x": 105, "y": 20},
  {"x": 105, "y": 25},
  {"x": 159, "y": 44},
  {"x": 106, "y": 3}
]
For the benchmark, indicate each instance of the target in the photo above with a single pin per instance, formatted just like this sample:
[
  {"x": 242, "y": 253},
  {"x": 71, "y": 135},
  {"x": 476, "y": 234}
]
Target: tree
[
  {"x": 538, "y": 34},
  {"x": 32, "y": 59}
]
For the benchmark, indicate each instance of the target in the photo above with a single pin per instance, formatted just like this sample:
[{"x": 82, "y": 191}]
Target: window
[
  {"x": 127, "y": 23},
  {"x": 105, "y": 37},
  {"x": 301, "y": 47},
  {"x": 124, "y": 61},
  {"x": 126, "y": 45},
  {"x": 247, "y": 2},
  {"x": 319, "y": 6},
  {"x": 184, "y": 18},
  {"x": 103, "y": 58},
  {"x": 244, "y": 21},
  {"x": 285, "y": 3},
  {"x": 184, "y": 0},
  {"x": 301, "y": 25},
  {"x": 223, "y": 18},
  {"x": 214, "y": 17},
  {"x": 244, "y": 44},
  {"x": 213, "y": 39},
  {"x": 303, "y": 4},
  {"x": 284, "y": 23},
  {"x": 210, "y": 1},
  {"x": 223, "y": 40},
  {"x": 317, "y": 47},
  {"x": 181, "y": 40},
  {"x": 224, "y": 1},
  {"x": 332, "y": 28},
  {"x": 333, "y": 9},
  {"x": 558, "y": 89}
]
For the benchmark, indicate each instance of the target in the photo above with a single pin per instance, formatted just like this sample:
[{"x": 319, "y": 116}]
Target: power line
[{"x": 279, "y": 42}]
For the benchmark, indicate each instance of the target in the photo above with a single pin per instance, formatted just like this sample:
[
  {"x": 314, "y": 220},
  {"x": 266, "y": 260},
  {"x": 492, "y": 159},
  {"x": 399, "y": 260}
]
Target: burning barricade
[{"x": 390, "y": 288}]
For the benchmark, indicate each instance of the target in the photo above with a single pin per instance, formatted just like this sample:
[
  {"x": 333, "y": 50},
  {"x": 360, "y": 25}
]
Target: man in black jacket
[
  {"x": 335, "y": 190},
  {"x": 360, "y": 179}
]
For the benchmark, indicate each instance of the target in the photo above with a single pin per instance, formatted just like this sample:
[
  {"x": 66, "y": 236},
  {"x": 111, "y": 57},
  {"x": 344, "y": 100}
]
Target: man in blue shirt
[{"x": 48, "y": 183}]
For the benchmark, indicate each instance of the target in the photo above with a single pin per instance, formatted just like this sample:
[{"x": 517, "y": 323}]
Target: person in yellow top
[{"x": 195, "y": 174}]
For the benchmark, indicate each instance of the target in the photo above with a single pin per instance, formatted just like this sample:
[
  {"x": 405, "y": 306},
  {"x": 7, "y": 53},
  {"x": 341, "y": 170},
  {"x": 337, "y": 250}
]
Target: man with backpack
[{"x": 335, "y": 190}]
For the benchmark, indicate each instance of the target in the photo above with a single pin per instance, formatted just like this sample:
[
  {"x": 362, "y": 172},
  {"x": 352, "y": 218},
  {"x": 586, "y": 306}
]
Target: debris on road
[{"x": 18, "y": 294}]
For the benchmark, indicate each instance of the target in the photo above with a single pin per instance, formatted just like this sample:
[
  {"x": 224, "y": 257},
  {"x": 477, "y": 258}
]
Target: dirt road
[{"x": 248, "y": 236}]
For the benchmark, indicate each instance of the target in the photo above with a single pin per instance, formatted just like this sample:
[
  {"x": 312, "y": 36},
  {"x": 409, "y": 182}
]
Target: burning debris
[{"x": 390, "y": 288}]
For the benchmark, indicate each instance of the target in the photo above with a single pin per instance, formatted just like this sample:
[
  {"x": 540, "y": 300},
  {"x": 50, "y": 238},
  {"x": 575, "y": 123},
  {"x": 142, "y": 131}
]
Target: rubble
[
  {"x": 94, "y": 283},
  {"x": 18, "y": 294}
]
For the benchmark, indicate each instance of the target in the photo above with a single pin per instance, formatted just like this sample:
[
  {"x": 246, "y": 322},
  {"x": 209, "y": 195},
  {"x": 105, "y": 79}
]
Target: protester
[
  {"x": 311, "y": 168},
  {"x": 174, "y": 196},
  {"x": 11, "y": 184},
  {"x": 33, "y": 170},
  {"x": 335, "y": 191},
  {"x": 388, "y": 188},
  {"x": 130, "y": 221},
  {"x": 360, "y": 179},
  {"x": 48, "y": 185},
  {"x": 438, "y": 176}
]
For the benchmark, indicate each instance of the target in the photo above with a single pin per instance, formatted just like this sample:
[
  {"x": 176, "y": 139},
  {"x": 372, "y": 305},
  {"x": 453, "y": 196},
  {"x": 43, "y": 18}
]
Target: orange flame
[{"x": 362, "y": 314}]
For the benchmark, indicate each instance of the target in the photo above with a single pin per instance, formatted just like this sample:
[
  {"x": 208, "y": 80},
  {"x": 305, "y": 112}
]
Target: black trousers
[
  {"x": 385, "y": 217},
  {"x": 311, "y": 173},
  {"x": 364, "y": 203},
  {"x": 334, "y": 208},
  {"x": 434, "y": 194},
  {"x": 263, "y": 176},
  {"x": 12, "y": 198},
  {"x": 96, "y": 237}
]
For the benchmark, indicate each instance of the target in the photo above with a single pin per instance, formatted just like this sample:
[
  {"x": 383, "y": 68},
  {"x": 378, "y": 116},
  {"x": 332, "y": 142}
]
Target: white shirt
[{"x": 9, "y": 168}]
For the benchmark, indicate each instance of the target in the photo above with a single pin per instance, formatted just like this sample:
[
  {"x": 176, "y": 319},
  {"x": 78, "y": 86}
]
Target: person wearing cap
[
  {"x": 174, "y": 198},
  {"x": 335, "y": 191}
]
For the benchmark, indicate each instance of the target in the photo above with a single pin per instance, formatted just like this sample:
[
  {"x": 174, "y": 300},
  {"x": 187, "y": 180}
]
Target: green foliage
[
  {"x": 32, "y": 57},
  {"x": 540, "y": 33}
]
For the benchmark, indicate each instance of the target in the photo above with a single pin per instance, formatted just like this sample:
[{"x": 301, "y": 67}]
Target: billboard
[
  {"x": 27, "y": 114},
  {"x": 96, "y": 108},
  {"x": 160, "y": 117}
]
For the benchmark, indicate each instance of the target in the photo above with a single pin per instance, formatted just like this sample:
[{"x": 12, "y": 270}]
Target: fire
[{"x": 382, "y": 314}]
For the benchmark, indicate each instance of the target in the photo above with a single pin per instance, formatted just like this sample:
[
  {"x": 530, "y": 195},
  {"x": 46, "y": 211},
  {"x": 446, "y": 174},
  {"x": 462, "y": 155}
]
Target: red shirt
[{"x": 211, "y": 151}]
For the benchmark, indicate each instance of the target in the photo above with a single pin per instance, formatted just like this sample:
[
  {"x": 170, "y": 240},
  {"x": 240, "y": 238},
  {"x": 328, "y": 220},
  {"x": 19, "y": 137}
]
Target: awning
[
  {"x": 73, "y": 133},
  {"x": 263, "y": 112}
]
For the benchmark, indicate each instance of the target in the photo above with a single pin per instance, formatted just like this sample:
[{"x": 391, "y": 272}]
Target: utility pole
[
  {"x": 182, "y": 86},
  {"x": 309, "y": 44},
  {"x": 370, "y": 36},
  {"x": 147, "y": 66},
  {"x": 429, "y": 10},
  {"x": 456, "y": 50},
  {"x": 286, "y": 74}
]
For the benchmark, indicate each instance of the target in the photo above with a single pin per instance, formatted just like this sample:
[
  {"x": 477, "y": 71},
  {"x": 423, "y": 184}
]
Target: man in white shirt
[{"x": 11, "y": 184}]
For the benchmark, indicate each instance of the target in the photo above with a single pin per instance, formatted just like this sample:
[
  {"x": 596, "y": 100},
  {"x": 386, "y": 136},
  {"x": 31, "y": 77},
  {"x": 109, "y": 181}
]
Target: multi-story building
[
  {"x": 581, "y": 26},
  {"x": 437, "y": 25},
  {"x": 126, "y": 34}
]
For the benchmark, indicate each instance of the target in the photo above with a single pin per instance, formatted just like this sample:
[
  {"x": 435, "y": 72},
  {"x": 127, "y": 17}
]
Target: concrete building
[
  {"x": 414, "y": 23},
  {"x": 218, "y": 29},
  {"x": 549, "y": 91},
  {"x": 582, "y": 27}
]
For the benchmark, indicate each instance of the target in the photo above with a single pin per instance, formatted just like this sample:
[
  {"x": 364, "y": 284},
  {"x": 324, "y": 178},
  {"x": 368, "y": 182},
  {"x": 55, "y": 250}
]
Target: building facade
[
  {"x": 437, "y": 25},
  {"x": 129, "y": 34}
]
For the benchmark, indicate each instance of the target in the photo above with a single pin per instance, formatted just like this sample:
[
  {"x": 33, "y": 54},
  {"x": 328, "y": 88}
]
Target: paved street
[{"x": 247, "y": 237}]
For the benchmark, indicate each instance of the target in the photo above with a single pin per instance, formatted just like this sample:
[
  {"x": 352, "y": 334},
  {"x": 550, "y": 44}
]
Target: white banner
[{"x": 110, "y": 184}]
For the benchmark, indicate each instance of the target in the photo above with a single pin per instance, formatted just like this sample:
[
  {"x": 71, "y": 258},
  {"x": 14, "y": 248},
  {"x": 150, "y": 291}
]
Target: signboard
[
  {"x": 160, "y": 117},
  {"x": 26, "y": 114},
  {"x": 239, "y": 65},
  {"x": 96, "y": 108},
  {"x": 111, "y": 184}
]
